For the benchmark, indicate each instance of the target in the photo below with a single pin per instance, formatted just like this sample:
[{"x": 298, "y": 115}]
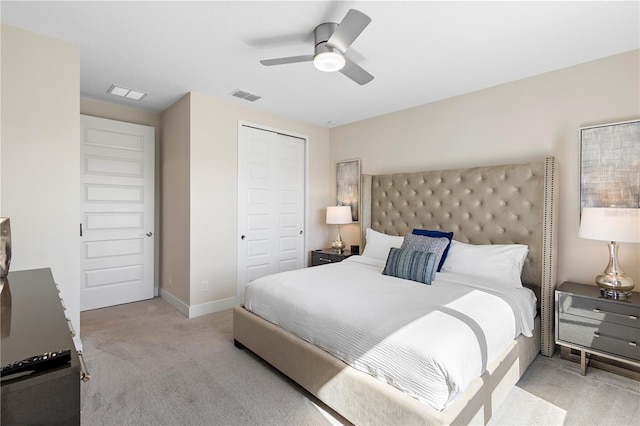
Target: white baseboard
[
  {"x": 211, "y": 307},
  {"x": 198, "y": 310},
  {"x": 182, "y": 307}
]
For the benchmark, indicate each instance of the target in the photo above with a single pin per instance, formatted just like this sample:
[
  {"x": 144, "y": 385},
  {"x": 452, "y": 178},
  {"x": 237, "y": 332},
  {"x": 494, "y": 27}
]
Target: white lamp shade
[
  {"x": 621, "y": 225},
  {"x": 338, "y": 215}
]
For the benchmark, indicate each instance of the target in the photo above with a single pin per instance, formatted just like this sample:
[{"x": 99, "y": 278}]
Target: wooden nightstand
[
  {"x": 324, "y": 256},
  {"x": 594, "y": 325}
]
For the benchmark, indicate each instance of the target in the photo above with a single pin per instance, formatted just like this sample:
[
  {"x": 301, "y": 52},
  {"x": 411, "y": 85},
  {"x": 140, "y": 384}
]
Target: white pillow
[
  {"x": 379, "y": 244},
  {"x": 501, "y": 262}
]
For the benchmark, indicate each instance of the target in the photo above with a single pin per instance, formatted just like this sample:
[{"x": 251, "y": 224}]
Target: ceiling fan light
[{"x": 329, "y": 61}]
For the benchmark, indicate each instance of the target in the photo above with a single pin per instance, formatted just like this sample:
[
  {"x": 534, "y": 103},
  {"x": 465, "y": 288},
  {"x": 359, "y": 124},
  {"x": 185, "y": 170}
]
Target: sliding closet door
[{"x": 271, "y": 194}]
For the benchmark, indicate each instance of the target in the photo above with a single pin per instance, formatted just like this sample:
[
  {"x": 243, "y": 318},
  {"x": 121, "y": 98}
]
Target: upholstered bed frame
[{"x": 482, "y": 205}]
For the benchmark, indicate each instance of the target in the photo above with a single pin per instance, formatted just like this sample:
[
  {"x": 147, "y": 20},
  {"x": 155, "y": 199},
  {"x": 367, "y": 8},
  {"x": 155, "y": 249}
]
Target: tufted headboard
[{"x": 482, "y": 205}]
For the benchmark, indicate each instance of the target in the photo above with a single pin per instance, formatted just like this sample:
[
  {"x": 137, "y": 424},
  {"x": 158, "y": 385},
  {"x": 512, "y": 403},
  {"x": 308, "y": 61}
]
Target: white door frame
[
  {"x": 136, "y": 241},
  {"x": 305, "y": 138}
]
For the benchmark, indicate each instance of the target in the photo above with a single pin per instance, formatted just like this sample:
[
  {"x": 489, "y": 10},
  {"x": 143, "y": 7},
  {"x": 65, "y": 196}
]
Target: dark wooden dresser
[
  {"x": 592, "y": 324},
  {"x": 33, "y": 323}
]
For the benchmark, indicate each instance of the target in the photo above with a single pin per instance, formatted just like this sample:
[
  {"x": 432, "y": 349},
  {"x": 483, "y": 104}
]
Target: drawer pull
[
  {"x": 322, "y": 259},
  {"x": 73, "y": 333},
  {"x": 84, "y": 373},
  {"x": 598, "y": 311},
  {"x": 632, "y": 343}
]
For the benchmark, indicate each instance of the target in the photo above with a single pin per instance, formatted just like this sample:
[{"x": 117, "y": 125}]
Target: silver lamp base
[
  {"x": 338, "y": 245},
  {"x": 615, "y": 294},
  {"x": 614, "y": 283}
]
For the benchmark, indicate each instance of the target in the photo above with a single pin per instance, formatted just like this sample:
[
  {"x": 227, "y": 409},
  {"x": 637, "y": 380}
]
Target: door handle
[
  {"x": 242, "y": 237},
  {"x": 149, "y": 234}
]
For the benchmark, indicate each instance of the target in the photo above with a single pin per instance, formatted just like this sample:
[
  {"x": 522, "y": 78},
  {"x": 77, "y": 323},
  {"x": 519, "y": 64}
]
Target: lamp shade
[
  {"x": 338, "y": 215},
  {"x": 610, "y": 224}
]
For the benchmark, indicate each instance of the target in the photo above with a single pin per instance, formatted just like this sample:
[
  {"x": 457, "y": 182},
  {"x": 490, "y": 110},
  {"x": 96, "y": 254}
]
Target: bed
[{"x": 482, "y": 206}]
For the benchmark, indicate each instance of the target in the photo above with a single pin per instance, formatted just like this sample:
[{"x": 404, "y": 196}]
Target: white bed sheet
[{"x": 429, "y": 341}]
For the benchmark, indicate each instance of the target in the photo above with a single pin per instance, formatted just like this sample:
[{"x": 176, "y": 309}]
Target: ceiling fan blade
[
  {"x": 349, "y": 29},
  {"x": 356, "y": 73},
  {"x": 289, "y": 60}
]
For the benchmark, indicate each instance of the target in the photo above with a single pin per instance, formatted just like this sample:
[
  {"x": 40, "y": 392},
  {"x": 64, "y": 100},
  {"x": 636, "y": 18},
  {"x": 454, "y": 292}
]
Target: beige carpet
[{"x": 152, "y": 366}]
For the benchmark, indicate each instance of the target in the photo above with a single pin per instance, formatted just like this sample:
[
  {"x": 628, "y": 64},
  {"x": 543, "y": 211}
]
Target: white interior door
[
  {"x": 271, "y": 196},
  {"x": 117, "y": 223}
]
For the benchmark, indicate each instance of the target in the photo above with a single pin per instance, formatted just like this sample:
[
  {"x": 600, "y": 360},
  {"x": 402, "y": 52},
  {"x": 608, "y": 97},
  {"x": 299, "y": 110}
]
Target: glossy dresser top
[{"x": 33, "y": 321}]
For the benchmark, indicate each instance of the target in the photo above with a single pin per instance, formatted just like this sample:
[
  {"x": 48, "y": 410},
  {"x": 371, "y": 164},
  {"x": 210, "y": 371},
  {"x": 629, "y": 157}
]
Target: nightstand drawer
[
  {"x": 599, "y": 309},
  {"x": 603, "y": 336},
  {"x": 322, "y": 257}
]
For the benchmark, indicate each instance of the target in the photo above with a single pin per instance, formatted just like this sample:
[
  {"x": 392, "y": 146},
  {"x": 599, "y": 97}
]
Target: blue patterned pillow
[
  {"x": 411, "y": 265},
  {"x": 436, "y": 234}
]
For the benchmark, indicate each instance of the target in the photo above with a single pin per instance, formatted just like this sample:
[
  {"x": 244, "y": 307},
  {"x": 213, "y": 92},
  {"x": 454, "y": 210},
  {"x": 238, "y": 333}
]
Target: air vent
[
  {"x": 245, "y": 95},
  {"x": 123, "y": 92}
]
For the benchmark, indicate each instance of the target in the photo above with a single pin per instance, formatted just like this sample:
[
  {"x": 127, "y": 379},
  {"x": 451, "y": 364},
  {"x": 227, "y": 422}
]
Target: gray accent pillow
[
  {"x": 436, "y": 246},
  {"x": 411, "y": 265}
]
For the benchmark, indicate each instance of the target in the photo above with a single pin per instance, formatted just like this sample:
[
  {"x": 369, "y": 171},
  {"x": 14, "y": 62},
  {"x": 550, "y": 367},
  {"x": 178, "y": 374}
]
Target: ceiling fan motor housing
[{"x": 321, "y": 34}]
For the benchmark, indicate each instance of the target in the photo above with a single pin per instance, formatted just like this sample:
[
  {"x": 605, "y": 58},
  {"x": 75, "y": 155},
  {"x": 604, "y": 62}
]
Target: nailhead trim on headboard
[{"x": 549, "y": 258}]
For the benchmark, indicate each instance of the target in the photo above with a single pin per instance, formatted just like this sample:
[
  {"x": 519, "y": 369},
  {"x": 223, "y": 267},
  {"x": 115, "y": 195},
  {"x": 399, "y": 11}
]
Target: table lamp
[
  {"x": 615, "y": 225},
  {"x": 338, "y": 215}
]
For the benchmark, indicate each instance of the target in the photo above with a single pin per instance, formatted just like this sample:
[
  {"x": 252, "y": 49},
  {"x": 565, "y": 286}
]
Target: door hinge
[{"x": 81, "y": 230}]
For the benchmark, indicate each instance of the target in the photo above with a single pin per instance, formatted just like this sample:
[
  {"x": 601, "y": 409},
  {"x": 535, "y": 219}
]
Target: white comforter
[{"x": 429, "y": 341}]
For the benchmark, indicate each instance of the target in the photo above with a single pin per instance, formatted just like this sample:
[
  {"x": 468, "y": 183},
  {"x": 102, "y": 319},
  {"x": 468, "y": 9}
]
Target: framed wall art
[
  {"x": 348, "y": 186},
  {"x": 610, "y": 165}
]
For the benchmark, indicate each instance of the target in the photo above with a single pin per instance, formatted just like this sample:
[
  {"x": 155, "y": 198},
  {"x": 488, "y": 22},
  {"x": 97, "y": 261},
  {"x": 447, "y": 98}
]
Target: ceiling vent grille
[
  {"x": 247, "y": 96},
  {"x": 123, "y": 92}
]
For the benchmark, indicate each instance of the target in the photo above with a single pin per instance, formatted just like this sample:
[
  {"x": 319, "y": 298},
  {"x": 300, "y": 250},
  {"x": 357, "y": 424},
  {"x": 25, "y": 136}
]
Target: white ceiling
[{"x": 418, "y": 51}]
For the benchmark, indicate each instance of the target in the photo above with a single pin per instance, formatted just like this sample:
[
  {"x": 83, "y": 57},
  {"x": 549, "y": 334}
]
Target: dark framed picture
[
  {"x": 610, "y": 165},
  {"x": 348, "y": 186}
]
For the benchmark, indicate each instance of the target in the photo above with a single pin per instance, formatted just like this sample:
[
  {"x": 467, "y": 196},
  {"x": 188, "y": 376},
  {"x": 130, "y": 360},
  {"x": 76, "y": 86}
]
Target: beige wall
[
  {"x": 41, "y": 157},
  {"x": 121, "y": 113},
  {"x": 213, "y": 194},
  {"x": 516, "y": 122},
  {"x": 176, "y": 220}
]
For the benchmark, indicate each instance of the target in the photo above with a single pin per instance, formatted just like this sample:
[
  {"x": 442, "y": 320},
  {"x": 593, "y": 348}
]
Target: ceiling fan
[{"x": 331, "y": 42}]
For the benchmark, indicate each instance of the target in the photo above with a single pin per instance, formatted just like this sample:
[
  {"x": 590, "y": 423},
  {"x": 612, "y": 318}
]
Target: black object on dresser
[
  {"x": 593, "y": 324},
  {"x": 324, "y": 256},
  {"x": 37, "y": 328}
]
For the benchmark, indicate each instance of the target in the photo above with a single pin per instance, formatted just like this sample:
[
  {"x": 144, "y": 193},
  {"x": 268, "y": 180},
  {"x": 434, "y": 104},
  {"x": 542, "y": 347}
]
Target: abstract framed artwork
[
  {"x": 610, "y": 165},
  {"x": 348, "y": 186}
]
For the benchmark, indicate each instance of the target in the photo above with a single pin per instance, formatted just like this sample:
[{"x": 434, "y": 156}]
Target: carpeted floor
[{"x": 152, "y": 366}]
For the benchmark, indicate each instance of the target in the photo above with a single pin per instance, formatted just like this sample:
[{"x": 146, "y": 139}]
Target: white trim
[
  {"x": 211, "y": 307},
  {"x": 180, "y": 306},
  {"x": 201, "y": 309}
]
